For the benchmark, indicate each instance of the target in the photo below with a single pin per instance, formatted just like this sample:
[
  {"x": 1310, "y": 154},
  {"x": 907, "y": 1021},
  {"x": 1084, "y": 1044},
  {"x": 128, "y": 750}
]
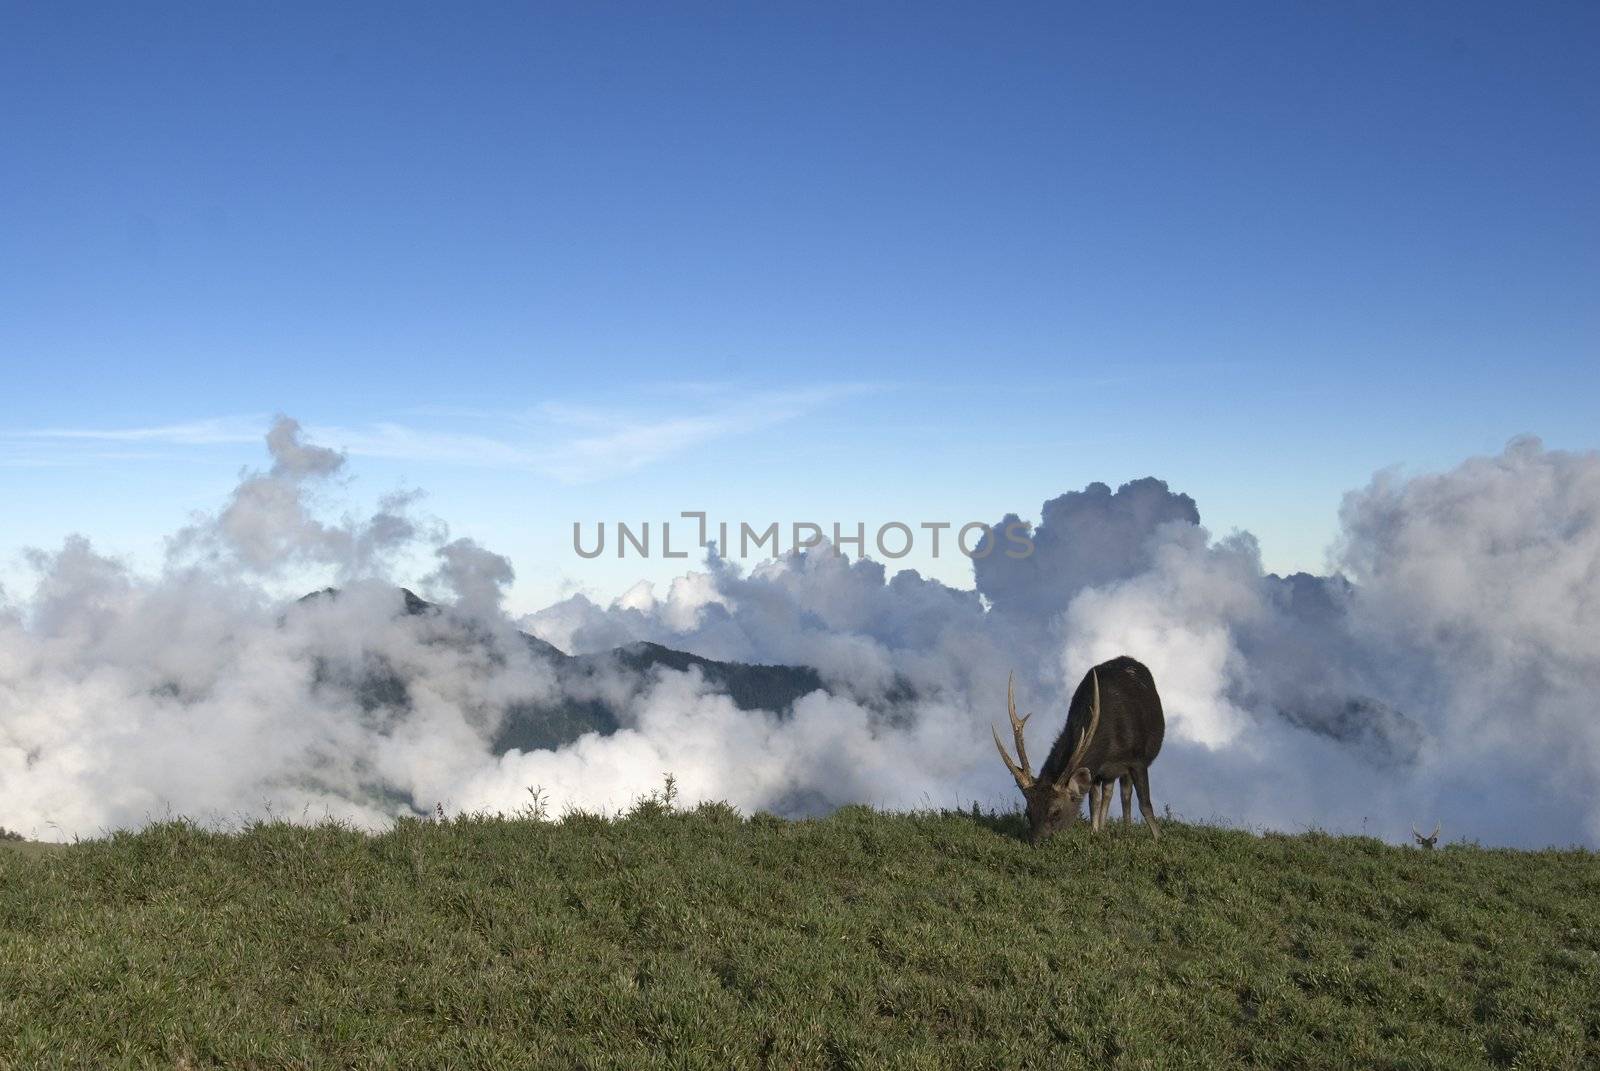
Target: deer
[
  {"x": 1426, "y": 843},
  {"x": 1101, "y": 744}
]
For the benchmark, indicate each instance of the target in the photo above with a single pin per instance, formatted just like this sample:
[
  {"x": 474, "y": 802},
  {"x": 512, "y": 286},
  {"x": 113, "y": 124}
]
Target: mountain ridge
[{"x": 532, "y": 725}]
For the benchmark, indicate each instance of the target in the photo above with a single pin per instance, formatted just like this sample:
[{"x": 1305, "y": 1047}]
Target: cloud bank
[{"x": 1447, "y": 671}]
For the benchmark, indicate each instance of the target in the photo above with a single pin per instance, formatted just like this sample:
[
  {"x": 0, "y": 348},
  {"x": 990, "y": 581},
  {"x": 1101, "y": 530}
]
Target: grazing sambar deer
[
  {"x": 1113, "y": 733},
  {"x": 1426, "y": 843}
]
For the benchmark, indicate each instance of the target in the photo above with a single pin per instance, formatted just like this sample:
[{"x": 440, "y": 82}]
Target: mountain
[{"x": 583, "y": 706}]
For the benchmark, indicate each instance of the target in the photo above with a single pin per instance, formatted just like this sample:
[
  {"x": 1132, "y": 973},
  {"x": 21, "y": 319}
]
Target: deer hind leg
[
  {"x": 1126, "y": 787},
  {"x": 1141, "y": 781}
]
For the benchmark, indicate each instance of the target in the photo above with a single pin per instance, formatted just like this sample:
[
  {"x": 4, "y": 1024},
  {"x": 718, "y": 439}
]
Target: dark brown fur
[
  {"x": 1126, "y": 742},
  {"x": 1132, "y": 724}
]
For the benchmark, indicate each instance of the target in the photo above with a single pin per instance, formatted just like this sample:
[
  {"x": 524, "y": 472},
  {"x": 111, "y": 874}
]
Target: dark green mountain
[{"x": 582, "y": 707}]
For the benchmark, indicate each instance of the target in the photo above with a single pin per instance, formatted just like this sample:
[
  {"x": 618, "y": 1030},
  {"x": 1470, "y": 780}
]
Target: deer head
[
  {"x": 1430, "y": 840},
  {"x": 1051, "y": 804}
]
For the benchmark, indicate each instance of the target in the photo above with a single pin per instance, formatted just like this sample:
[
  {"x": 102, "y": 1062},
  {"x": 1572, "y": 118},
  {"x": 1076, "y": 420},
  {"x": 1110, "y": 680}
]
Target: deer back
[{"x": 1131, "y": 728}]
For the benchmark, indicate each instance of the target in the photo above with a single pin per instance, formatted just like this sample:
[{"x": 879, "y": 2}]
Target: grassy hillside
[{"x": 863, "y": 940}]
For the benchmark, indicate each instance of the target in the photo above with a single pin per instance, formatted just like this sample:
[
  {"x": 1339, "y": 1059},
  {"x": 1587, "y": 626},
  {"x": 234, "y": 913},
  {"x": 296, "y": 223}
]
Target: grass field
[{"x": 701, "y": 939}]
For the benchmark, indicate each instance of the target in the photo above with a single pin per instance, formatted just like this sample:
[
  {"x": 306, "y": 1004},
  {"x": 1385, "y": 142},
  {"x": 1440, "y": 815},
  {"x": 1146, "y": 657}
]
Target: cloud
[
  {"x": 1458, "y": 658},
  {"x": 1083, "y": 538},
  {"x": 295, "y": 460},
  {"x": 568, "y": 443},
  {"x": 66, "y": 447},
  {"x": 192, "y": 433},
  {"x": 608, "y": 442},
  {"x": 477, "y": 578},
  {"x": 269, "y": 526},
  {"x": 1448, "y": 674}
]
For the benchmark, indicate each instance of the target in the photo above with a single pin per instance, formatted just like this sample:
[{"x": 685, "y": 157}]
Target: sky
[{"x": 558, "y": 263}]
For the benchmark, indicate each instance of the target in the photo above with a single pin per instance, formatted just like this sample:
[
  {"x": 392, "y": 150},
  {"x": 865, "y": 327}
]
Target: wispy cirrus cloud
[
  {"x": 602, "y": 441},
  {"x": 566, "y": 441},
  {"x": 209, "y": 432},
  {"x": 43, "y": 448}
]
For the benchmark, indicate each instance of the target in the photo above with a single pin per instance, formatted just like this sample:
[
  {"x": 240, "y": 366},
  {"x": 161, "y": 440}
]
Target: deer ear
[{"x": 1078, "y": 784}]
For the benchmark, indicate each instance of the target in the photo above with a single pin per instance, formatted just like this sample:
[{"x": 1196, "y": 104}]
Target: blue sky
[{"x": 804, "y": 263}]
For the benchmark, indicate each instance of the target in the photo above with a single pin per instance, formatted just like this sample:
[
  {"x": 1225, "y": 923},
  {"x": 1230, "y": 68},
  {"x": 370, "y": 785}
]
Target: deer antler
[
  {"x": 1023, "y": 773},
  {"x": 1085, "y": 737}
]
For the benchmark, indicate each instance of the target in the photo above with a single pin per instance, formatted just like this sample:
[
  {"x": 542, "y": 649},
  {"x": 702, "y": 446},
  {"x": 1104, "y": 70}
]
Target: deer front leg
[
  {"x": 1102, "y": 798},
  {"x": 1126, "y": 787}
]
